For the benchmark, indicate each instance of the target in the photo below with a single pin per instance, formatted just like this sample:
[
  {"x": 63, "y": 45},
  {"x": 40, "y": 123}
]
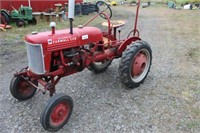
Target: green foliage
[
  {"x": 189, "y": 124},
  {"x": 186, "y": 1},
  {"x": 158, "y": 1}
]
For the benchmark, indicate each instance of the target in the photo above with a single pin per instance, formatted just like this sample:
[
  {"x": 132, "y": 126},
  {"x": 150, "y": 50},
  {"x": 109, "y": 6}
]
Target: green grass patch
[
  {"x": 189, "y": 125},
  {"x": 176, "y": 1},
  {"x": 187, "y": 1},
  {"x": 194, "y": 54}
]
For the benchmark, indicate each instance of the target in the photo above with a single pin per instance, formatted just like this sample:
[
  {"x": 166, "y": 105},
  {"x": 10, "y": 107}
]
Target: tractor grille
[
  {"x": 28, "y": 13},
  {"x": 35, "y": 58}
]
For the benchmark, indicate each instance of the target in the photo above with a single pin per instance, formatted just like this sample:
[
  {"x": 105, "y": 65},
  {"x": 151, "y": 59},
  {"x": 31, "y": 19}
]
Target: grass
[
  {"x": 190, "y": 108},
  {"x": 194, "y": 54},
  {"x": 184, "y": 25},
  {"x": 176, "y": 1},
  {"x": 186, "y": 1},
  {"x": 189, "y": 125}
]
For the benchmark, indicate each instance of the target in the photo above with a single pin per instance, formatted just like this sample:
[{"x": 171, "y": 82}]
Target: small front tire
[
  {"x": 20, "y": 23},
  {"x": 57, "y": 112},
  {"x": 21, "y": 89}
]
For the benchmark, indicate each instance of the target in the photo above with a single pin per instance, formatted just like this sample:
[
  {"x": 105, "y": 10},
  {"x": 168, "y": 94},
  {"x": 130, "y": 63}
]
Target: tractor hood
[{"x": 63, "y": 39}]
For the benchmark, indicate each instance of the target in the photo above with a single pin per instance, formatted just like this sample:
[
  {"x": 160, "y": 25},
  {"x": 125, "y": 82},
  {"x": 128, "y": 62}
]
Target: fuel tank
[{"x": 62, "y": 39}]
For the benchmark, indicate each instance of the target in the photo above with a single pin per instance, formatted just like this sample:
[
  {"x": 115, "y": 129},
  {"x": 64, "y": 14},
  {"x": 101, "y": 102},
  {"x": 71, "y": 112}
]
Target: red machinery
[
  {"x": 37, "y": 5},
  {"x": 59, "y": 53},
  {"x": 3, "y": 26}
]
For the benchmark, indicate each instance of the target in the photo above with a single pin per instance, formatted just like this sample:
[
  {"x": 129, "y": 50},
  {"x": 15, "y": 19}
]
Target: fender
[
  {"x": 127, "y": 42},
  {"x": 6, "y": 11}
]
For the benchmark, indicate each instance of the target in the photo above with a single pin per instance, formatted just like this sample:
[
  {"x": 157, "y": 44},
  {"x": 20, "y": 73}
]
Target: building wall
[{"x": 37, "y": 5}]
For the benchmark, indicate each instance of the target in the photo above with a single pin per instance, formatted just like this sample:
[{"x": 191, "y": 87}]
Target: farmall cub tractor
[{"x": 59, "y": 53}]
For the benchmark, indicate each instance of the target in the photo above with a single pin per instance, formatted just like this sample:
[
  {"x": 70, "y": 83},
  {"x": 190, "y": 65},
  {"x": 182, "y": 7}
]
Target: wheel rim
[
  {"x": 25, "y": 88},
  {"x": 59, "y": 114},
  {"x": 140, "y": 65}
]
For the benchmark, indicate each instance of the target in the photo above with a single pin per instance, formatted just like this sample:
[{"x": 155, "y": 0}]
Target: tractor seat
[{"x": 115, "y": 23}]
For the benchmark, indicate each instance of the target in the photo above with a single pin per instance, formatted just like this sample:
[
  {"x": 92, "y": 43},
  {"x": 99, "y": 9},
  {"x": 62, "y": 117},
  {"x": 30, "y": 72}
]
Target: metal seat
[{"x": 115, "y": 23}]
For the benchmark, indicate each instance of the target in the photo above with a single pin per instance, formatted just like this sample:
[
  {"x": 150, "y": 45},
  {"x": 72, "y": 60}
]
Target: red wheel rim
[
  {"x": 139, "y": 64},
  {"x": 25, "y": 88},
  {"x": 59, "y": 114}
]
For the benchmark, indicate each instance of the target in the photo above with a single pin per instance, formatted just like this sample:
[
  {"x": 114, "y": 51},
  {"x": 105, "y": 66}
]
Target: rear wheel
[
  {"x": 57, "y": 112},
  {"x": 5, "y": 18},
  {"x": 21, "y": 89},
  {"x": 98, "y": 67},
  {"x": 135, "y": 64}
]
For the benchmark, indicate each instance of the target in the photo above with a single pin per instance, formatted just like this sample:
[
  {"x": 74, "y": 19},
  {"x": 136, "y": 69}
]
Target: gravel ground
[{"x": 168, "y": 100}]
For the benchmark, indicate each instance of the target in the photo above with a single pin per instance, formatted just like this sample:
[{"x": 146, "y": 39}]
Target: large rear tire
[
  {"x": 135, "y": 64},
  {"x": 4, "y": 18},
  {"x": 57, "y": 112}
]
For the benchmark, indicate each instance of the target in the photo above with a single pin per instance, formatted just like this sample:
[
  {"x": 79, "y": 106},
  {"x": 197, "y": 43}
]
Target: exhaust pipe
[{"x": 71, "y": 14}]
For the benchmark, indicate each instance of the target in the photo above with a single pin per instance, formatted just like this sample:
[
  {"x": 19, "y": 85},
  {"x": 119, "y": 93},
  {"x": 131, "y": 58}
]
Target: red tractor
[{"x": 59, "y": 53}]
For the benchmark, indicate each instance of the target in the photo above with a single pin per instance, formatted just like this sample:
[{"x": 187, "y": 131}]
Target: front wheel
[
  {"x": 57, "y": 112},
  {"x": 20, "y": 23},
  {"x": 21, "y": 89},
  {"x": 135, "y": 64}
]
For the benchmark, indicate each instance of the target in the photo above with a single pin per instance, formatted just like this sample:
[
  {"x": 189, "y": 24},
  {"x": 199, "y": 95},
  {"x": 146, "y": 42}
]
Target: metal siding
[{"x": 37, "y": 5}]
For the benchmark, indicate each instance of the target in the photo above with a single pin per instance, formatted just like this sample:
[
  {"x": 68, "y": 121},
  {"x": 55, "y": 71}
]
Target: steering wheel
[{"x": 103, "y": 7}]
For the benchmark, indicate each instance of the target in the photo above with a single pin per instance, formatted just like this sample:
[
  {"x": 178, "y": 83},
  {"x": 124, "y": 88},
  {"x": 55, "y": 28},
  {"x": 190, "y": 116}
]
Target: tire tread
[
  {"x": 126, "y": 60},
  {"x": 47, "y": 110}
]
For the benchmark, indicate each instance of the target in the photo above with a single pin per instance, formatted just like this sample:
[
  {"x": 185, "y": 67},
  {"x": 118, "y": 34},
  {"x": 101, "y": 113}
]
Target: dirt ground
[{"x": 168, "y": 101}]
